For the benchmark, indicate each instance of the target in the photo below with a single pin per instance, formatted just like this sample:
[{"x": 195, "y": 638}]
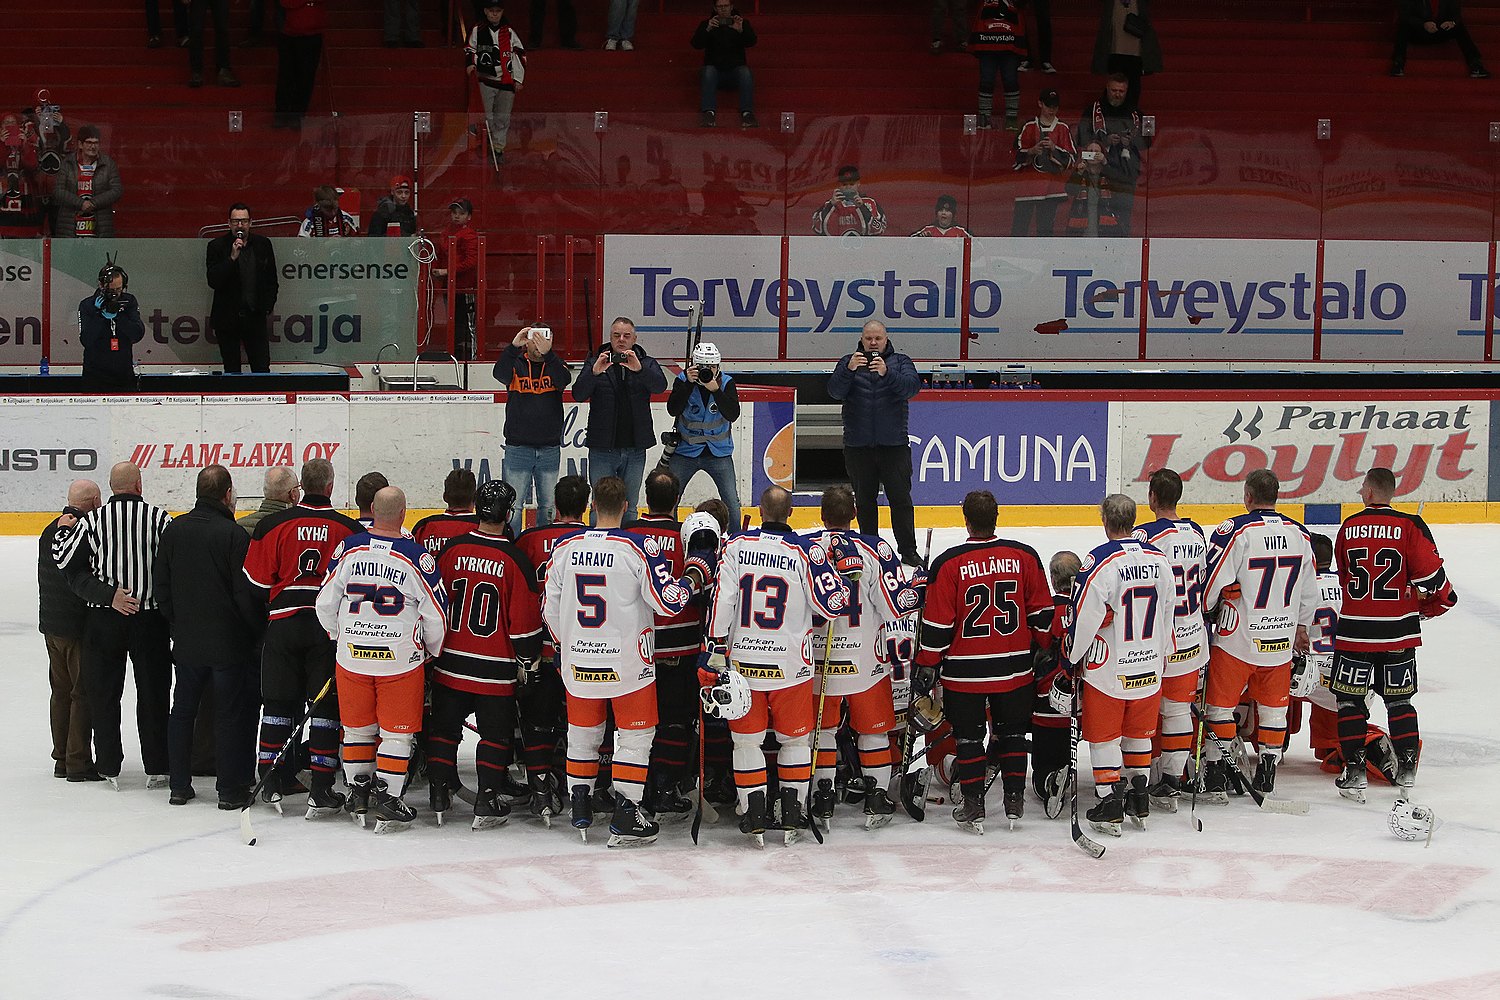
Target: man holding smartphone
[
  {"x": 848, "y": 213},
  {"x": 534, "y": 379},
  {"x": 705, "y": 402},
  {"x": 617, "y": 382},
  {"x": 724, "y": 36}
]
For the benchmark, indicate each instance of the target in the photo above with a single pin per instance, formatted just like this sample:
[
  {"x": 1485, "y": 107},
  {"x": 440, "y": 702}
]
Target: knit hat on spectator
[{"x": 946, "y": 201}]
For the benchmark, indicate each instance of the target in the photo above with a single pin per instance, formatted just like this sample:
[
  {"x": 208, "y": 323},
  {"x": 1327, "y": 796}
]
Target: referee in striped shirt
[{"x": 121, "y": 538}]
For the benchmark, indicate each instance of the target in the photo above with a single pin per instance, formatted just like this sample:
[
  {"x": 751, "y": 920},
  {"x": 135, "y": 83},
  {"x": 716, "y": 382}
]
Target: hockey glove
[
  {"x": 923, "y": 680},
  {"x": 1438, "y": 602},
  {"x": 700, "y": 568},
  {"x": 844, "y": 556},
  {"x": 711, "y": 663}
]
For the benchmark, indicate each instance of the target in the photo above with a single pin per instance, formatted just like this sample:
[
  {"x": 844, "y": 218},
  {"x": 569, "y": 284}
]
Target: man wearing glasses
[
  {"x": 88, "y": 185},
  {"x": 280, "y": 491}
]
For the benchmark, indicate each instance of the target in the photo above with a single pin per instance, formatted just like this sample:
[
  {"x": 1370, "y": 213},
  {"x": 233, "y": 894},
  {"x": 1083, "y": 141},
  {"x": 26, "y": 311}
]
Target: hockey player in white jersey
[
  {"x": 857, "y": 672},
  {"x": 771, "y": 583},
  {"x": 603, "y": 590},
  {"x": 1263, "y": 579},
  {"x": 1120, "y": 637},
  {"x": 382, "y": 601},
  {"x": 1181, "y": 540}
]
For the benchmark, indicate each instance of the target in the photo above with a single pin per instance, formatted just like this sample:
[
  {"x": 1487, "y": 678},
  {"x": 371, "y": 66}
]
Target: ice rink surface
[{"x": 117, "y": 895}]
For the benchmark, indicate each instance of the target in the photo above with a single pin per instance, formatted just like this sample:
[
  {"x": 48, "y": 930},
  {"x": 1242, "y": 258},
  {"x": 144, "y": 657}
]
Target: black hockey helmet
[{"x": 495, "y": 501}]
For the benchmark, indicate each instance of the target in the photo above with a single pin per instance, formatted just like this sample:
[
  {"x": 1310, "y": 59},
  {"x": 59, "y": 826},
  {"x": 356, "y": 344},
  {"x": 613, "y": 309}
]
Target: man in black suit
[{"x": 242, "y": 273}]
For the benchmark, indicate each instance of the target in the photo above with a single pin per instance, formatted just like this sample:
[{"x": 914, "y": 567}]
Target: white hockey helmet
[
  {"x": 729, "y": 699},
  {"x": 700, "y": 531},
  {"x": 1060, "y": 694},
  {"x": 705, "y": 354},
  {"x": 1411, "y": 822}
]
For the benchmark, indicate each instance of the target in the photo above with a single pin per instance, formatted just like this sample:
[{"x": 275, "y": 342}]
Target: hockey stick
[
  {"x": 812, "y": 821},
  {"x": 698, "y": 813},
  {"x": 913, "y": 800},
  {"x": 1091, "y": 847},
  {"x": 247, "y": 833},
  {"x": 1193, "y": 820},
  {"x": 1287, "y": 807}
]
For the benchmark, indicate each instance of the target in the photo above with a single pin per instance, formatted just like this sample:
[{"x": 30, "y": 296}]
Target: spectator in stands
[
  {"x": 281, "y": 489},
  {"x": 725, "y": 208},
  {"x": 109, "y": 325},
  {"x": 666, "y": 195},
  {"x": 298, "y": 52},
  {"x": 241, "y": 269},
  {"x": 461, "y": 244},
  {"x": 848, "y": 213},
  {"x": 369, "y": 484},
  {"x": 617, "y": 383},
  {"x": 620, "y": 35},
  {"x": 705, "y": 402},
  {"x": 1039, "y": 42},
  {"x": 1094, "y": 195},
  {"x": 198, "y": 11},
  {"x": 1115, "y": 124},
  {"x": 217, "y": 617},
  {"x": 1044, "y": 159},
  {"x": 20, "y": 181},
  {"x": 393, "y": 215},
  {"x": 403, "y": 24},
  {"x": 60, "y": 618},
  {"x": 1430, "y": 22},
  {"x": 534, "y": 379},
  {"x": 567, "y": 24},
  {"x": 87, "y": 187},
  {"x": 179, "y": 23},
  {"x": 498, "y": 60},
  {"x": 999, "y": 43},
  {"x": 876, "y": 384},
  {"x": 944, "y": 219},
  {"x": 1126, "y": 43},
  {"x": 724, "y": 36},
  {"x": 954, "y": 13},
  {"x": 325, "y": 217}
]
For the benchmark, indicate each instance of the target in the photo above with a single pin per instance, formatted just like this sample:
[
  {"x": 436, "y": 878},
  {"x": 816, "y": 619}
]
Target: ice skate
[
  {"x": 1138, "y": 801},
  {"x": 878, "y": 806},
  {"x": 629, "y": 827},
  {"x": 512, "y": 791},
  {"x": 753, "y": 820},
  {"x": 391, "y": 814},
  {"x": 583, "y": 811},
  {"x": 792, "y": 821},
  {"x": 358, "y": 802},
  {"x": 1265, "y": 774},
  {"x": 1353, "y": 782},
  {"x": 665, "y": 803},
  {"x": 823, "y": 797},
  {"x": 1165, "y": 793},
  {"x": 322, "y": 802},
  {"x": 1406, "y": 770},
  {"x": 439, "y": 798},
  {"x": 1054, "y": 792},
  {"x": 969, "y": 814},
  {"x": 490, "y": 810},
  {"x": 1216, "y": 781},
  {"x": 1381, "y": 753},
  {"x": 1108, "y": 814},
  {"x": 546, "y": 801}
]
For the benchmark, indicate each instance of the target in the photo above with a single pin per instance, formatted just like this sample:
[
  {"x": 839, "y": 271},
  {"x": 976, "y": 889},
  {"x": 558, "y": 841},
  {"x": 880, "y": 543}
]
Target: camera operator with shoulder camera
[
  {"x": 109, "y": 326},
  {"x": 705, "y": 402},
  {"x": 617, "y": 382},
  {"x": 534, "y": 378}
]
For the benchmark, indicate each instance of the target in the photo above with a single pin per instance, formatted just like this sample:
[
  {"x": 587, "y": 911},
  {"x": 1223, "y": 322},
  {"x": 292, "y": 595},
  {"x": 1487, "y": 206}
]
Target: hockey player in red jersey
[
  {"x": 384, "y": 606},
  {"x": 434, "y": 530},
  {"x": 1393, "y": 577},
  {"x": 603, "y": 589},
  {"x": 1120, "y": 637},
  {"x": 771, "y": 584},
  {"x": 494, "y": 637},
  {"x": 1049, "y": 727},
  {"x": 986, "y": 600},
  {"x": 288, "y": 559},
  {"x": 1262, "y": 578},
  {"x": 1181, "y": 540},
  {"x": 856, "y": 668}
]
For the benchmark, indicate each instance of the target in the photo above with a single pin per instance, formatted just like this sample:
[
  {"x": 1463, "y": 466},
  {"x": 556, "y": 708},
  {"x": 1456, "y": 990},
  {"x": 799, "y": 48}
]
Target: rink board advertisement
[
  {"x": 20, "y": 302},
  {"x": 1053, "y": 298},
  {"x": 1320, "y": 449},
  {"x": 1023, "y": 451}
]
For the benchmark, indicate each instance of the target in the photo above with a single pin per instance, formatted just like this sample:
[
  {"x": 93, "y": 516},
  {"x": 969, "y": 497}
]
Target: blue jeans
[
  {"x": 715, "y": 80},
  {"x": 720, "y": 469},
  {"x": 525, "y": 466},
  {"x": 622, "y": 18},
  {"x": 627, "y": 463}
]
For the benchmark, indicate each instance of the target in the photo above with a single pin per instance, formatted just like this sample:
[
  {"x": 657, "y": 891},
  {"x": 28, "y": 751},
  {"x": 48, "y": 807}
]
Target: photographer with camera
[
  {"x": 109, "y": 325},
  {"x": 705, "y": 402},
  {"x": 617, "y": 383},
  {"x": 876, "y": 384},
  {"x": 242, "y": 272},
  {"x": 534, "y": 379},
  {"x": 1114, "y": 122},
  {"x": 848, "y": 213}
]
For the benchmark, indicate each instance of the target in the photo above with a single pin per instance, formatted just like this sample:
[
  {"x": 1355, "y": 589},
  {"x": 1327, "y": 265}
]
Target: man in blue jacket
[
  {"x": 875, "y": 384},
  {"x": 617, "y": 383},
  {"x": 534, "y": 379}
]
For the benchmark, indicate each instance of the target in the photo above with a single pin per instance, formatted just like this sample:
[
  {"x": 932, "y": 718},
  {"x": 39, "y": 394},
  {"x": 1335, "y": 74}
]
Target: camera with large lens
[{"x": 704, "y": 374}]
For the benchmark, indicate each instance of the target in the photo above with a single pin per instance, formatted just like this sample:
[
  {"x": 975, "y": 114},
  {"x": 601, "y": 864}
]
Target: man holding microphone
[{"x": 242, "y": 272}]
